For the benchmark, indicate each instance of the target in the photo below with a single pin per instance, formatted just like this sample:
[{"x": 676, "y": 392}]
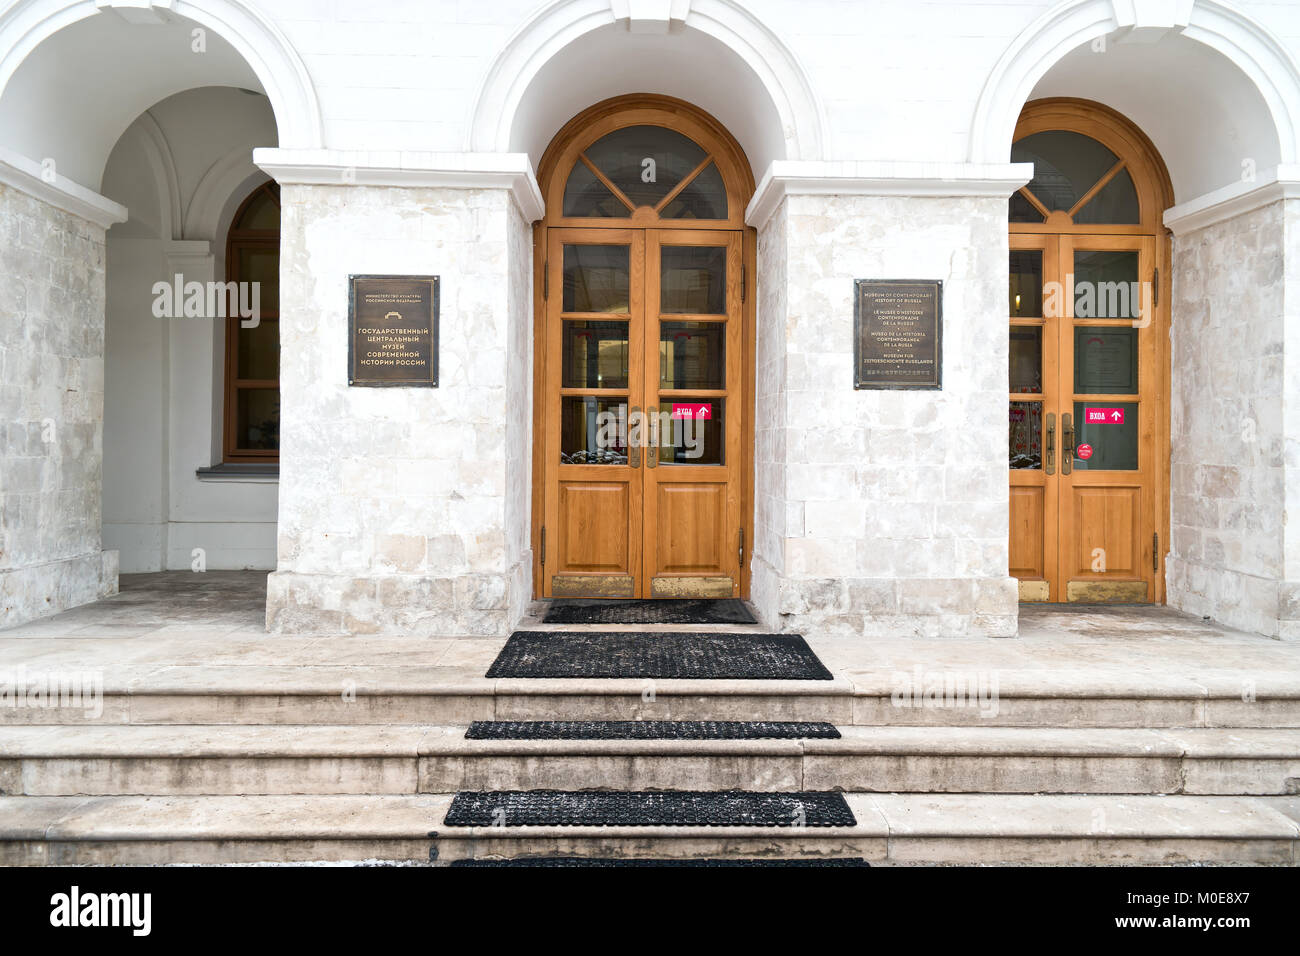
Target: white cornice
[
  {"x": 27, "y": 176},
  {"x": 1234, "y": 200},
  {"x": 786, "y": 177},
  {"x": 332, "y": 167}
]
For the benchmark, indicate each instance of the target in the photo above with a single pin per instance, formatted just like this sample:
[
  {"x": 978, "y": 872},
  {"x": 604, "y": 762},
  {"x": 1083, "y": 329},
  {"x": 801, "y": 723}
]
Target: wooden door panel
[
  {"x": 1107, "y": 524},
  {"x": 690, "y": 529},
  {"x": 594, "y": 519},
  {"x": 1027, "y": 525}
]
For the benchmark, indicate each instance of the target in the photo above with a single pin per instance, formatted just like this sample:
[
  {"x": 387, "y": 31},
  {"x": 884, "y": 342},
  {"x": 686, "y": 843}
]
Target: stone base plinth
[
  {"x": 414, "y": 604},
  {"x": 888, "y": 607},
  {"x": 44, "y": 589}
]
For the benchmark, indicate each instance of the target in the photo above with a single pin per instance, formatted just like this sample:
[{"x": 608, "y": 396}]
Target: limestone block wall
[
  {"x": 767, "y": 564},
  {"x": 403, "y": 510},
  {"x": 888, "y": 511},
  {"x": 51, "y": 410},
  {"x": 1229, "y": 480}
]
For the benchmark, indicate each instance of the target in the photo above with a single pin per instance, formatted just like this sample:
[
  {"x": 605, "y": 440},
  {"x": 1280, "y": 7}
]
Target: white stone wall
[
  {"x": 403, "y": 510},
  {"x": 51, "y": 410},
  {"x": 888, "y": 510},
  {"x": 771, "y": 514},
  {"x": 1229, "y": 478}
]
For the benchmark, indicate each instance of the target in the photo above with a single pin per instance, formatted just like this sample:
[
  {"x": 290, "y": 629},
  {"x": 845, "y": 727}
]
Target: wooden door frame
[
  {"x": 552, "y": 172},
  {"x": 1155, "y": 194}
]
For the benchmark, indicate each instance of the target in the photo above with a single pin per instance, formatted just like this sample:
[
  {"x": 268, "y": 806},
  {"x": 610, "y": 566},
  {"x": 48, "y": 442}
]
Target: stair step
[
  {"x": 409, "y": 759},
  {"x": 325, "y": 695},
  {"x": 889, "y": 828}
]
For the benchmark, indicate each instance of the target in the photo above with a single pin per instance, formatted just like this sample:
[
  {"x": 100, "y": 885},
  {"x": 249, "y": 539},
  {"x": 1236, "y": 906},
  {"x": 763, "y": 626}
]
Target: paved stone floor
[{"x": 181, "y": 629}]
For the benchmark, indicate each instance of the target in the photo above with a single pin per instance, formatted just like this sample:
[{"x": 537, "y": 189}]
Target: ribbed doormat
[
  {"x": 576, "y": 861},
  {"x": 674, "y": 611},
  {"x": 658, "y": 654},
  {"x": 651, "y": 730},
  {"x": 647, "y": 808}
]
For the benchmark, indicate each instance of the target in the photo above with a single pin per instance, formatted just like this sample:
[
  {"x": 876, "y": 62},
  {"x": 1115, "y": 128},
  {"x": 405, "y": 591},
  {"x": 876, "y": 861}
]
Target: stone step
[
  {"x": 380, "y": 695},
  {"x": 896, "y": 829},
  {"x": 410, "y": 759}
]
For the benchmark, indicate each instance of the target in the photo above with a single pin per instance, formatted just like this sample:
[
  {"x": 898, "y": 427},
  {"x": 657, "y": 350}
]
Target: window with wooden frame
[{"x": 252, "y": 397}]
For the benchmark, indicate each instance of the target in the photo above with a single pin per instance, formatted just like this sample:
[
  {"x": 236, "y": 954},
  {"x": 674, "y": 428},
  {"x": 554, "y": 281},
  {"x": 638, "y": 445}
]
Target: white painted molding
[
  {"x": 1260, "y": 56},
  {"x": 856, "y": 178},
  {"x": 560, "y": 22},
  {"x": 219, "y": 182},
  {"x": 26, "y": 175},
  {"x": 332, "y": 167},
  {"x": 25, "y": 24},
  {"x": 191, "y": 257},
  {"x": 1234, "y": 200},
  {"x": 153, "y": 143}
]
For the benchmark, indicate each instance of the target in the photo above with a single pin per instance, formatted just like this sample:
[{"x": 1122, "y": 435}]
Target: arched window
[
  {"x": 645, "y": 166},
  {"x": 252, "y": 405}
]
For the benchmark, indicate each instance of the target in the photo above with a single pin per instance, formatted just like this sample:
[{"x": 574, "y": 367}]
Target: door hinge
[
  {"x": 543, "y": 545},
  {"x": 546, "y": 280},
  {"x": 1155, "y": 551},
  {"x": 740, "y": 548},
  {"x": 744, "y": 282},
  {"x": 1155, "y": 289}
]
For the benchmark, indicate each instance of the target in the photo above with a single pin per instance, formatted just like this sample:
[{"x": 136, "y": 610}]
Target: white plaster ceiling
[
  {"x": 76, "y": 94},
  {"x": 1202, "y": 113},
  {"x": 685, "y": 63}
]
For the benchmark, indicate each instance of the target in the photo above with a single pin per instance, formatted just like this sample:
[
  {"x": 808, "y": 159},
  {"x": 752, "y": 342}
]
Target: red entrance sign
[
  {"x": 1103, "y": 416},
  {"x": 698, "y": 410},
  {"x": 1084, "y": 452}
]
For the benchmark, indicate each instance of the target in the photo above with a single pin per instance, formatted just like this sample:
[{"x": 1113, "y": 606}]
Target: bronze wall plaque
[
  {"x": 898, "y": 333},
  {"x": 393, "y": 331}
]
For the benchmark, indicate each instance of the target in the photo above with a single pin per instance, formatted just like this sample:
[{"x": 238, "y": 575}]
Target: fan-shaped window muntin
[
  {"x": 1074, "y": 175},
  {"x": 645, "y": 166}
]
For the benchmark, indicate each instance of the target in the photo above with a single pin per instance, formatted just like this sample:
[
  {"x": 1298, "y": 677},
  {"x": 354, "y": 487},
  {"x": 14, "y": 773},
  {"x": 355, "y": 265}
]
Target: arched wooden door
[
  {"x": 1089, "y": 404},
  {"x": 644, "y": 357}
]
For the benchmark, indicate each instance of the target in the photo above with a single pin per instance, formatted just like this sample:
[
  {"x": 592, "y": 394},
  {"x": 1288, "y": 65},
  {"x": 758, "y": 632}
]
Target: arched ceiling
[
  {"x": 75, "y": 95},
  {"x": 686, "y": 63},
  {"x": 1202, "y": 113}
]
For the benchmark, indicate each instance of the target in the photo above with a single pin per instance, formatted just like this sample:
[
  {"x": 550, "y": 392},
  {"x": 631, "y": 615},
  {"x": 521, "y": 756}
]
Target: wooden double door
[
  {"x": 1086, "y": 413},
  {"x": 643, "y": 413}
]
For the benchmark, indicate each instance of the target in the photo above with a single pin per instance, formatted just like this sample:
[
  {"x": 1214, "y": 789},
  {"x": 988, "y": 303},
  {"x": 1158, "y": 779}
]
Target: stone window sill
[{"x": 240, "y": 471}]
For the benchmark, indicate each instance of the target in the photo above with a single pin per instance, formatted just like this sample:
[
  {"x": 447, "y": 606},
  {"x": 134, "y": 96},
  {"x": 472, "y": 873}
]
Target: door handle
[
  {"x": 1050, "y": 466},
  {"x": 1067, "y": 443},
  {"x": 652, "y": 439},
  {"x": 634, "y": 447}
]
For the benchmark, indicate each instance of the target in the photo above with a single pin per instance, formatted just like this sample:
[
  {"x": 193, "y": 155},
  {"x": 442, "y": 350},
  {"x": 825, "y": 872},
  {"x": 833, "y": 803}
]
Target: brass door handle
[
  {"x": 634, "y": 447},
  {"x": 1067, "y": 443},
  {"x": 1050, "y": 466},
  {"x": 652, "y": 436}
]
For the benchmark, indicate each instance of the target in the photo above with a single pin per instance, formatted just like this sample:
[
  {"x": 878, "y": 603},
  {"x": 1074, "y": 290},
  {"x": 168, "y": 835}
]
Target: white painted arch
[
  {"x": 558, "y": 23},
  {"x": 26, "y": 24},
  {"x": 1250, "y": 46}
]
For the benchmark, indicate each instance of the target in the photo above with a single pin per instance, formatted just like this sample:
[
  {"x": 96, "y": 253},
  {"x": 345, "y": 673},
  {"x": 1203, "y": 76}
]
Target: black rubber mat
[
  {"x": 650, "y": 730},
  {"x": 643, "y": 808},
  {"x": 658, "y": 654},
  {"x": 574, "y": 861},
  {"x": 725, "y": 611}
]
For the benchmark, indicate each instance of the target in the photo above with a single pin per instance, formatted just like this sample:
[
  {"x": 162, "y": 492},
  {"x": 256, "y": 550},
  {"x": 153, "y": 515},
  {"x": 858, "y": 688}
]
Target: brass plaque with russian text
[
  {"x": 393, "y": 331},
  {"x": 898, "y": 333}
]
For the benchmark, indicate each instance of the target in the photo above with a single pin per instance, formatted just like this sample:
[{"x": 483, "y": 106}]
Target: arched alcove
[
  {"x": 720, "y": 57},
  {"x": 74, "y": 74},
  {"x": 1209, "y": 85}
]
